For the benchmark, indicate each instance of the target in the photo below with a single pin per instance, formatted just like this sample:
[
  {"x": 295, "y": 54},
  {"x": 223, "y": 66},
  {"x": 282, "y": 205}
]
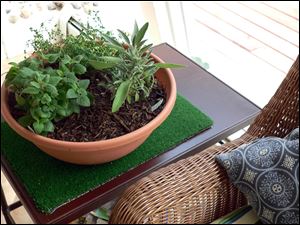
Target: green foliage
[
  {"x": 121, "y": 95},
  {"x": 48, "y": 94},
  {"x": 132, "y": 68},
  {"x": 200, "y": 62},
  {"x": 88, "y": 44},
  {"x": 47, "y": 85},
  {"x": 101, "y": 213},
  {"x": 40, "y": 43}
]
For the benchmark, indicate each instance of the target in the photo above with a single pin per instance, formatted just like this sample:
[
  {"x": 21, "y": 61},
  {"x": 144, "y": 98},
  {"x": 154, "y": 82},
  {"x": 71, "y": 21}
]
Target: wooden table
[{"x": 229, "y": 110}]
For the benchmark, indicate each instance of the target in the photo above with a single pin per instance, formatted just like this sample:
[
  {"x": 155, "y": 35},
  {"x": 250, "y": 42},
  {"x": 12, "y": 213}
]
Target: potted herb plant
[{"x": 89, "y": 99}]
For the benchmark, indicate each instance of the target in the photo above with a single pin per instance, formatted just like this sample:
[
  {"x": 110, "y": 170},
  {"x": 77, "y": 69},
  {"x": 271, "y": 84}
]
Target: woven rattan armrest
[{"x": 193, "y": 190}]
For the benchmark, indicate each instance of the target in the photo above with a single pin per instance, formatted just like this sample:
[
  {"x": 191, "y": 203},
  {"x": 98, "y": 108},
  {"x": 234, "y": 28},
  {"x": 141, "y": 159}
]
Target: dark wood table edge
[
  {"x": 196, "y": 64},
  {"x": 104, "y": 193}
]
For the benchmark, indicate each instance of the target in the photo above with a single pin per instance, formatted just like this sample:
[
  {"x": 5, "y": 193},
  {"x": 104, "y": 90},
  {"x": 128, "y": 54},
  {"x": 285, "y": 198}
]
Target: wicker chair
[{"x": 196, "y": 189}]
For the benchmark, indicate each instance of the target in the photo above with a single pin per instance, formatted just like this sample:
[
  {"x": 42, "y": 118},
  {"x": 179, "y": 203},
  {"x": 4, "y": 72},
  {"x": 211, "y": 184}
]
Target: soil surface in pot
[{"x": 98, "y": 122}]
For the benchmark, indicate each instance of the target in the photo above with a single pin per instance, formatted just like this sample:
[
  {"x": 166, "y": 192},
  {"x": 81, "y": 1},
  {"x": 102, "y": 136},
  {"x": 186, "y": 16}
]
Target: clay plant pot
[{"x": 97, "y": 152}]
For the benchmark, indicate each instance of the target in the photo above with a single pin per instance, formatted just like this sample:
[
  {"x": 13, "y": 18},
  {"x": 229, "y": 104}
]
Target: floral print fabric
[{"x": 267, "y": 172}]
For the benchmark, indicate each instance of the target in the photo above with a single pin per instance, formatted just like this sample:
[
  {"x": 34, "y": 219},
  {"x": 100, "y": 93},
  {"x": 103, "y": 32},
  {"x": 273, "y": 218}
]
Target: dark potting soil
[{"x": 98, "y": 122}]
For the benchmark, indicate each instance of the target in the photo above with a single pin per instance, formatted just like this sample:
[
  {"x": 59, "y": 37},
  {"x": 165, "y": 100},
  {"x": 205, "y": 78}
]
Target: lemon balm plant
[
  {"x": 46, "y": 94},
  {"x": 91, "y": 98}
]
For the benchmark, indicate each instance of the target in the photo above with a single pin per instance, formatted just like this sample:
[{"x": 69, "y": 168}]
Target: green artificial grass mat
[{"x": 51, "y": 182}]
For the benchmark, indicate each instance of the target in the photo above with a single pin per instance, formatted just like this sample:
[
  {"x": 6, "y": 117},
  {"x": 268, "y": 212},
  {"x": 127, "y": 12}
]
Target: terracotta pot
[{"x": 97, "y": 152}]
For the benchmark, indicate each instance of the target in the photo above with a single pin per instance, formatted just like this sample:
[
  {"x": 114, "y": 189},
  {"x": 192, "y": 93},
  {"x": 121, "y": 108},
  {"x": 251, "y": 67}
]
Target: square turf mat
[{"x": 51, "y": 182}]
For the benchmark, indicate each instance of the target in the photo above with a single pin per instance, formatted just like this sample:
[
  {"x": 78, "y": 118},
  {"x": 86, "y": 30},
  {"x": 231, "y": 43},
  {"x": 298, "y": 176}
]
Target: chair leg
[{"x": 5, "y": 209}]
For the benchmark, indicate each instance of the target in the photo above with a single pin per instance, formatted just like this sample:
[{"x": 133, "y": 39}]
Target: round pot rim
[{"x": 117, "y": 141}]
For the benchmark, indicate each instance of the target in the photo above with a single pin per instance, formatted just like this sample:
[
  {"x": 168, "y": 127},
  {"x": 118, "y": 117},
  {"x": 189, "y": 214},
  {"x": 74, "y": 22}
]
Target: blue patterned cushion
[{"x": 267, "y": 172}]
